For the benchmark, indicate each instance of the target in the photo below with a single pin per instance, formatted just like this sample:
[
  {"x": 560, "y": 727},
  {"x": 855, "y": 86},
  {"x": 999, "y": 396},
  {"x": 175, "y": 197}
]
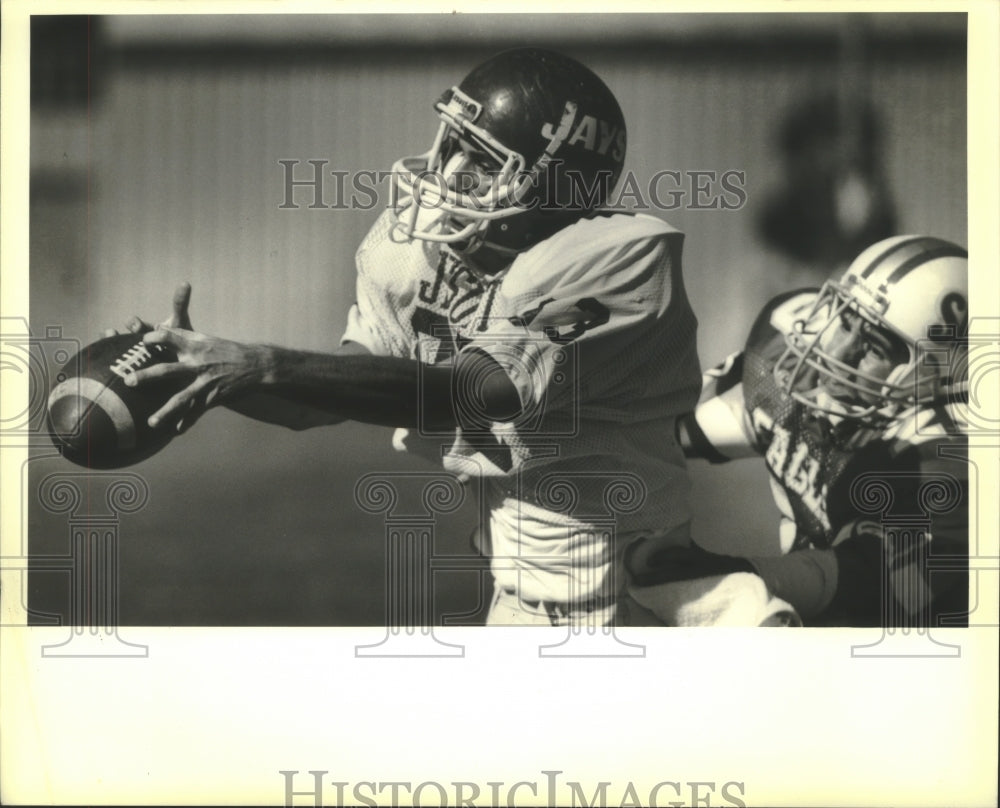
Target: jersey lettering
[
  {"x": 447, "y": 330},
  {"x": 434, "y": 336},
  {"x": 446, "y": 275},
  {"x": 594, "y": 313},
  {"x": 800, "y": 478},
  {"x": 777, "y": 452},
  {"x": 484, "y": 320},
  {"x": 798, "y": 473},
  {"x": 529, "y": 316},
  {"x": 429, "y": 291},
  {"x": 794, "y": 467},
  {"x": 470, "y": 300}
]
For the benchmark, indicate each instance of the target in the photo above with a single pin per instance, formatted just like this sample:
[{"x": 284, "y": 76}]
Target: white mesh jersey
[{"x": 594, "y": 328}]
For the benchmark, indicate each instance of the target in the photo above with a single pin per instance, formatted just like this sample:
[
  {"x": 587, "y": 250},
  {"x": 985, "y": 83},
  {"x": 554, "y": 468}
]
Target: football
[{"x": 95, "y": 418}]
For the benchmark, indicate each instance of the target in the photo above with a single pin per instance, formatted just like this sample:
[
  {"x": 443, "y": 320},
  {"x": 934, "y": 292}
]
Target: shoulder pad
[
  {"x": 591, "y": 250},
  {"x": 622, "y": 225},
  {"x": 378, "y": 232}
]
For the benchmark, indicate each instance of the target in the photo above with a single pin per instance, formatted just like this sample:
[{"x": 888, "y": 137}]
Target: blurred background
[{"x": 156, "y": 149}]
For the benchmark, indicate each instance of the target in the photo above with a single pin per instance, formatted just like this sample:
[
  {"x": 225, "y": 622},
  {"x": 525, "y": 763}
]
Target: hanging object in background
[{"x": 835, "y": 199}]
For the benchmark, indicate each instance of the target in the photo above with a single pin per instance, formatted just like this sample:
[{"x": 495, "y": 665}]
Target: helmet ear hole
[{"x": 899, "y": 351}]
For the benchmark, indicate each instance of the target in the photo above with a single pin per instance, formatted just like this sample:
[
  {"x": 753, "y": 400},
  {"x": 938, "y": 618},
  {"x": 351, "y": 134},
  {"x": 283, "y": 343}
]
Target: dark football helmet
[{"x": 529, "y": 142}]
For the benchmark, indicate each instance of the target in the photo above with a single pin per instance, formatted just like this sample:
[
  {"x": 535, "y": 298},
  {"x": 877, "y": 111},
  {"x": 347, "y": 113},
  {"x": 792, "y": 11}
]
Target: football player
[
  {"x": 511, "y": 329},
  {"x": 855, "y": 397}
]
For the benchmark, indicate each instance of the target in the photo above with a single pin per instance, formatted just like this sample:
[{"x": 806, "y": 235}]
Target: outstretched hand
[{"x": 216, "y": 370}]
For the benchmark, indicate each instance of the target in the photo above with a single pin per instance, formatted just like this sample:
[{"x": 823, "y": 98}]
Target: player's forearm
[
  {"x": 807, "y": 579},
  {"x": 374, "y": 389},
  {"x": 273, "y": 408}
]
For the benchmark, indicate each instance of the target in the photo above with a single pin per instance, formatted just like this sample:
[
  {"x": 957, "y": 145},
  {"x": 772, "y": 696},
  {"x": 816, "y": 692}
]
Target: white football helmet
[{"x": 913, "y": 288}]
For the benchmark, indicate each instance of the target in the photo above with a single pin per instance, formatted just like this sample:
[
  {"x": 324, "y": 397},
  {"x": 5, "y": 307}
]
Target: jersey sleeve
[
  {"x": 360, "y": 330},
  {"x": 389, "y": 273},
  {"x": 363, "y": 318},
  {"x": 579, "y": 329},
  {"x": 718, "y": 430}
]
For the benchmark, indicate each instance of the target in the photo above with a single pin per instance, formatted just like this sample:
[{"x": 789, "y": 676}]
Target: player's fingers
[
  {"x": 164, "y": 370},
  {"x": 182, "y": 299},
  {"x": 165, "y": 335},
  {"x": 212, "y": 398},
  {"x": 134, "y": 325},
  {"x": 186, "y": 401},
  {"x": 138, "y": 326},
  {"x": 176, "y": 404}
]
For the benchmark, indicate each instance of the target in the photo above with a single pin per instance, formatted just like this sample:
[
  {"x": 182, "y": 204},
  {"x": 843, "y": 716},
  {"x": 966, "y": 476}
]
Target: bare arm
[
  {"x": 265, "y": 405},
  {"x": 327, "y": 388},
  {"x": 272, "y": 408}
]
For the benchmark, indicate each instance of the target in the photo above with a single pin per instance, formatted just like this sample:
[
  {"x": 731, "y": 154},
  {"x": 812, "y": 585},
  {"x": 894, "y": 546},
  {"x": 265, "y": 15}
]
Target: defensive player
[
  {"x": 513, "y": 330},
  {"x": 855, "y": 397}
]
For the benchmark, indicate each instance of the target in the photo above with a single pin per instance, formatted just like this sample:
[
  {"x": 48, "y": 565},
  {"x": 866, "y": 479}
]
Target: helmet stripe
[
  {"x": 945, "y": 251},
  {"x": 880, "y": 259}
]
